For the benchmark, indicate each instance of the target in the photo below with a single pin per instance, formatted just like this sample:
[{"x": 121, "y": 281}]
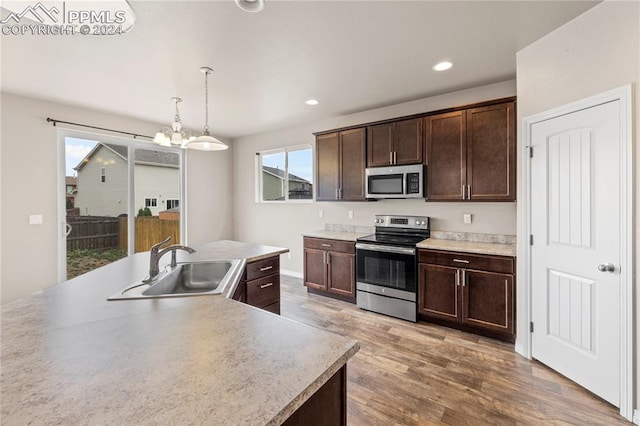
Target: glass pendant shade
[{"x": 250, "y": 5}]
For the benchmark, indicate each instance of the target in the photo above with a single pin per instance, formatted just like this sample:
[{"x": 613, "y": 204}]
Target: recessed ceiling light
[
  {"x": 442, "y": 66},
  {"x": 311, "y": 102}
]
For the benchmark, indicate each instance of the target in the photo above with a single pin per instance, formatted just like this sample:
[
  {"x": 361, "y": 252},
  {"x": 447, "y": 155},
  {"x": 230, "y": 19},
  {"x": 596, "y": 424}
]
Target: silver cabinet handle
[
  {"x": 326, "y": 245},
  {"x": 464, "y": 278},
  {"x": 395, "y": 157},
  {"x": 328, "y": 258},
  {"x": 468, "y": 192},
  {"x": 266, "y": 285},
  {"x": 606, "y": 267},
  {"x": 464, "y": 194},
  {"x": 457, "y": 277},
  {"x": 460, "y": 260},
  {"x": 266, "y": 268},
  {"x": 336, "y": 193},
  {"x": 390, "y": 157}
]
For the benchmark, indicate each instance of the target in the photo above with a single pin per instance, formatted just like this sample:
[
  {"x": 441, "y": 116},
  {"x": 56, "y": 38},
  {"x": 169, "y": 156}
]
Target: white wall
[
  {"x": 210, "y": 214},
  {"x": 157, "y": 182},
  {"x": 596, "y": 52},
  {"x": 29, "y": 177},
  {"x": 283, "y": 224},
  {"x": 108, "y": 198}
]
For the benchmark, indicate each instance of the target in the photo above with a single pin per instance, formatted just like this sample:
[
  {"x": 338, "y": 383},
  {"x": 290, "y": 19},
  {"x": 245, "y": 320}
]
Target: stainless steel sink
[{"x": 187, "y": 279}]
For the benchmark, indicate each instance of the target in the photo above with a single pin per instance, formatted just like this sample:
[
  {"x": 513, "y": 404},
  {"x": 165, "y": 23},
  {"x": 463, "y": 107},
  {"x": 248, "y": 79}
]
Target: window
[
  {"x": 103, "y": 174},
  {"x": 150, "y": 202},
  {"x": 173, "y": 204},
  {"x": 285, "y": 174},
  {"x": 69, "y": 189}
]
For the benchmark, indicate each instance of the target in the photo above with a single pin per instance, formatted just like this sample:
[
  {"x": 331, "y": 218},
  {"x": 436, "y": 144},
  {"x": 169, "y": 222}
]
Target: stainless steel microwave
[{"x": 395, "y": 182}]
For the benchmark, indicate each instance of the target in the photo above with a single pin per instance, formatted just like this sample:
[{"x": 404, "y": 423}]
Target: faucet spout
[{"x": 155, "y": 254}]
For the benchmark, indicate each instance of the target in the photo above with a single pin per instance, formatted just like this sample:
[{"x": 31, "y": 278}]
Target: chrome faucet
[{"x": 155, "y": 254}]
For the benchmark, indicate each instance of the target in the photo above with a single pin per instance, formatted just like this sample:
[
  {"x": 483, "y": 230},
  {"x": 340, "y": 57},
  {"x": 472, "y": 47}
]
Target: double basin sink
[{"x": 187, "y": 279}]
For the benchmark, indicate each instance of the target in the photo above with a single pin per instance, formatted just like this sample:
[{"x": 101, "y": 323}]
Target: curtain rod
[{"x": 135, "y": 135}]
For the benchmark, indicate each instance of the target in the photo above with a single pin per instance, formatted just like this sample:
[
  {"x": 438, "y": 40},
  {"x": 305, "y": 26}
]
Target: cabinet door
[
  {"x": 327, "y": 167},
  {"x": 352, "y": 165},
  {"x": 341, "y": 273},
  {"x": 488, "y": 301},
  {"x": 315, "y": 269},
  {"x": 407, "y": 141},
  {"x": 438, "y": 293},
  {"x": 379, "y": 145},
  {"x": 446, "y": 156},
  {"x": 491, "y": 152}
]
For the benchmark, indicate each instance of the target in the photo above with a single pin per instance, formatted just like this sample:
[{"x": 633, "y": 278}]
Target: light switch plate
[
  {"x": 320, "y": 214},
  {"x": 35, "y": 219},
  {"x": 467, "y": 218},
  {"x": 350, "y": 214}
]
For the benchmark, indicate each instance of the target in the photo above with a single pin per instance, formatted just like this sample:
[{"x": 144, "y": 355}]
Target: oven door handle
[{"x": 386, "y": 249}]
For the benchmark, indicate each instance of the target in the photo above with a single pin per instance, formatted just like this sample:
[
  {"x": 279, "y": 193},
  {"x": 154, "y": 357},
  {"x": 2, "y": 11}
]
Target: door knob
[{"x": 606, "y": 267}]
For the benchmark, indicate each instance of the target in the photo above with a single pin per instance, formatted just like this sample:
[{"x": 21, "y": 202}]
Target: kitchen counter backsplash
[
  {"x": 348, "y": 228},
  {"x": 474, "y": 237}
]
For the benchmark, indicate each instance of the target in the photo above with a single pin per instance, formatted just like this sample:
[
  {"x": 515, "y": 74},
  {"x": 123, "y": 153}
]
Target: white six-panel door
[{"x": 575, "y": 256}]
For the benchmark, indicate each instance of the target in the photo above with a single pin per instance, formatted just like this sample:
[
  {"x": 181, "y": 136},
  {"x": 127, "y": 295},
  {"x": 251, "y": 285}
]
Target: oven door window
[
  {"x": 386, "y": 269},
  {"x": 386, "y": 184}
]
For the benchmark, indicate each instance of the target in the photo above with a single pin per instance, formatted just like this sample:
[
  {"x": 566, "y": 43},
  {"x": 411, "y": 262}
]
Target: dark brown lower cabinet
[
  {"x": 477, "y": 296},
  {"x": 330, "y": 268},
  {"x": 326, "y": 407},
  {"x": 260, "y": 285}
]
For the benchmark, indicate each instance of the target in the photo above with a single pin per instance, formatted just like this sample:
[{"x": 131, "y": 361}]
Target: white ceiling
[{"x": 351, "y": 56}]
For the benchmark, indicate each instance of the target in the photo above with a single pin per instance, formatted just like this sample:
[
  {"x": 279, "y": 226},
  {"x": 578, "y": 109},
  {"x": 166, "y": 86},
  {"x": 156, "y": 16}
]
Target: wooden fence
[
  {"x": 150, "y": 230},
  {"x": 92, "y": 232}
]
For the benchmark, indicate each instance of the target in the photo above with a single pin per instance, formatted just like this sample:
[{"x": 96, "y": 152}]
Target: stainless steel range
[{"x": 386, "y": 266}]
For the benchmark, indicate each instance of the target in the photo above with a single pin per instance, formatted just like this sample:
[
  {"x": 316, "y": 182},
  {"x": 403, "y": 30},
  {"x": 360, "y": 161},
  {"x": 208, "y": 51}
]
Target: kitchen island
[{"x": 69, "y": 356}]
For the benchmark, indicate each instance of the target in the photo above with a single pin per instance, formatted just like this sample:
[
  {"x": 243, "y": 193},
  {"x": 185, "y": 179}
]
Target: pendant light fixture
[
  {"x": 250, "y": 5},
  {"x": 175, "y": 135},
  {"x": 206, "y": 142}
]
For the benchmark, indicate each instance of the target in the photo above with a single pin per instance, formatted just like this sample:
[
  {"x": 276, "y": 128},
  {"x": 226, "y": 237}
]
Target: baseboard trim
[
  {"x": 293, "y": 274},
  {"x": 636, "y": 417}
]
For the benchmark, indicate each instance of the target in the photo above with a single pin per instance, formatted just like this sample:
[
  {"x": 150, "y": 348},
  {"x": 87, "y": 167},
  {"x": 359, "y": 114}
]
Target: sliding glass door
[{"x": 117, "y": 197}]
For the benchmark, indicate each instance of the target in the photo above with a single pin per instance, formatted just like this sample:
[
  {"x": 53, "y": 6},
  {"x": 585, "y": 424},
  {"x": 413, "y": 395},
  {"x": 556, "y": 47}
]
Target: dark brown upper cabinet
[
  {"x": 340, "y": 166},
  {"x": 471, "y": 154},
  {"x": 395, "y": 143}
]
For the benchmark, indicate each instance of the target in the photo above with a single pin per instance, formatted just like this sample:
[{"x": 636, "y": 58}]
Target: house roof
[
  {"x": 143, "y": 156},
  {"x": 280, "y": 174}
]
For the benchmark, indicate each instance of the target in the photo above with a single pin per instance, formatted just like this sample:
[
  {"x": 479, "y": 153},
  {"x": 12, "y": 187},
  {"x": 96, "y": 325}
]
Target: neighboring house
[
  {"x": 102, "y": 181},
  {"x": 70, "y": 191},
  {"x": 273, "y": 185}
]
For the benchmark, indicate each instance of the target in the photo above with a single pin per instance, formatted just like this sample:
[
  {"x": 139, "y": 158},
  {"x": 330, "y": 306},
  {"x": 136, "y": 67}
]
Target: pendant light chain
[{"x": 206, "y": 102}]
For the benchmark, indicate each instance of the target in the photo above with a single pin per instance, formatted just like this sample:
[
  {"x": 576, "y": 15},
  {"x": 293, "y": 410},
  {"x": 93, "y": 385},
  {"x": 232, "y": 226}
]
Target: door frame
[{"x": 524, "y": 339}]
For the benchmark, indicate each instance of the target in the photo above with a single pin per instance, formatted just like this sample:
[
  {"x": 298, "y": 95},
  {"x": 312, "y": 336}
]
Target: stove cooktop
[{"x": 392, "y": 239}]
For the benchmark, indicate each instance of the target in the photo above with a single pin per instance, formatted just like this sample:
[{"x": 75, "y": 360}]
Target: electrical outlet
[
  {"x": 350, "y": 214},
  {"x": 467, "y": 218},
  {"x": 35, "y": 219},
  {"x": 320, "y": 214}
]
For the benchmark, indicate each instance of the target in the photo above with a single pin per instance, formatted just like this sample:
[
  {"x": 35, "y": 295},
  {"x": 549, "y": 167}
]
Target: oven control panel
[{"x": 415, "y": 222}]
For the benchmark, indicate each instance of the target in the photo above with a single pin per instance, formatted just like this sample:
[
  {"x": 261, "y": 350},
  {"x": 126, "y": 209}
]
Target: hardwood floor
[{"x": 422, "y": 374}]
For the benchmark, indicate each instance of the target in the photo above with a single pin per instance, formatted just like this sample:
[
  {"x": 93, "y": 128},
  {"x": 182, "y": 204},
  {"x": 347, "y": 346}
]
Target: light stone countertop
[
  {"x": 336, "y": 235},
  {"x": 469, "y": 247},
  {"x": 69, "y": 356}
]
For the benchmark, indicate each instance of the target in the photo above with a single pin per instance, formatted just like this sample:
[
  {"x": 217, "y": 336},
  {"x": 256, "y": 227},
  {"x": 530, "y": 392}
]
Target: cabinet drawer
[
  {"x": 262, "y": 268},
  {"x": 330, "y": 245},
  {"x": 468, "y": 261},
  {"x": 273, "y": 308},
  {"x": 264, "y": 291}
]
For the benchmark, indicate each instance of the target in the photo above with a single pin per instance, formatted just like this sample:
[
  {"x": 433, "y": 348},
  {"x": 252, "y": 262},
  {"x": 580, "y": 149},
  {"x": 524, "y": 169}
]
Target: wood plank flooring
[{"x": 423, "y": 374}]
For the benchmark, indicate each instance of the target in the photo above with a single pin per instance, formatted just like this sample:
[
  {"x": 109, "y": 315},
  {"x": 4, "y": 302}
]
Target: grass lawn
[{"x": 81, "y": 261}]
